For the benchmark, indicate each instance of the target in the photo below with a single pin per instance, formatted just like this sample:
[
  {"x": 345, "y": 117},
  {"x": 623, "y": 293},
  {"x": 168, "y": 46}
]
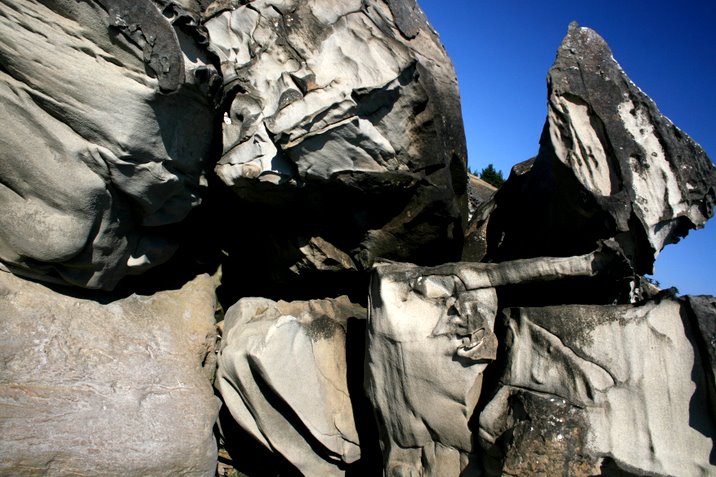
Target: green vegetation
[{"x": 492, "y": 176}]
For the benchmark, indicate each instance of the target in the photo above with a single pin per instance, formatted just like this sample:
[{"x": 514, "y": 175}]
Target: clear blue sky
[{"x": 502, "y": 52}]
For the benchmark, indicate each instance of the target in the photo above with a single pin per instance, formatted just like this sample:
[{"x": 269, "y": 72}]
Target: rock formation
[
  {"x": 98, "y": 154},
  {"x": 343, "y": 124},
  {"x": 303, "y": 151},
  {"x": 117, "y": 388},
  {"x": 430, "y": 338},
  {"x": 638, "y": 178},
  {"x": 579, "y": 399},
  {"x": 283, "y": 376},
  {"x": 597, "y": 389}
]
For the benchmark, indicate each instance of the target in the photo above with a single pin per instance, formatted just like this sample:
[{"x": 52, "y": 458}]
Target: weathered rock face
[
  {"x": 283, "y": 376},
  {"x": 478, "y": 191},
  {"x": 344, "y": 128},
  {"x": 122, "y": 388},
  {"x": 609, "y": 166},
  {"x": 341, "y": 147},
  {"x": 590, "y": 390},
  {"x": 430, "y": 338},
  {"x": 109, "y": 127}
]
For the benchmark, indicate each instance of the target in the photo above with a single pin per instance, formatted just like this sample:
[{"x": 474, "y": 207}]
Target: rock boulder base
[{"x": 122, "y": 388}]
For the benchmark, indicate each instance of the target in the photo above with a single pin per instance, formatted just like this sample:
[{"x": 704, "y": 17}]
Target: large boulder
[
  {"x": 283, "y": 375},
  {"x": 603, "y": 390},
  {"x": 342, "y": 133},
  {"x": 610, "y": 165},
  {"x": 430, "y": 338},
  {"x": 108, "y": 127},
  {"x": 120, "y": 388}
]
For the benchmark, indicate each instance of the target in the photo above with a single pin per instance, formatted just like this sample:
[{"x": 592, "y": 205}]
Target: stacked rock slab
[
  {"x": 108, "y": 128},
  {"x": 609, "y": 166},
  {"x": 121, "y": 388},
  {"x": 342, "y": 133},
  {"x": 586, "y": 389},
  {"x": 429, "y": 340},
  {"x": 283, "y": 377}
]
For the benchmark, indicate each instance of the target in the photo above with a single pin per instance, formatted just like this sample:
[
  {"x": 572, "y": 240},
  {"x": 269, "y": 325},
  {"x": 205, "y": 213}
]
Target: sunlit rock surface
[
  {"x": 331, "y": 137},
  {"x": 116, "y": 388},
  {"x": 283, "y": 376},
  {"x": 599, "y": 390},
  {"x": 609, "y": 166},
  {"x": 107, "y": 127},
  {"x": 430, "y": 338}
]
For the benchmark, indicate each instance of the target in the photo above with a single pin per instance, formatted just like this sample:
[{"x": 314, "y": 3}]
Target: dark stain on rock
[
  {"x": 553, "y": 433},
  {"x": 322, "y": 328}
]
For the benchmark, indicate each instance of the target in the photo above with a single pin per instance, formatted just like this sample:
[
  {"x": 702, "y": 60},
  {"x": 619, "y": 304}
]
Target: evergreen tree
[{"x": 492, "y": 176}]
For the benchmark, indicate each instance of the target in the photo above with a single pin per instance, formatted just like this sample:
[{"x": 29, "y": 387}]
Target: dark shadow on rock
[
  {"x": 371, "y": 462},
  {"x": 492, "y": 457},
  {"x": 610, "y": 468},
  {"x": 701, "y": 409},
  {"x": 249, "y": 456},
  {"x": 601, "y": 290}
]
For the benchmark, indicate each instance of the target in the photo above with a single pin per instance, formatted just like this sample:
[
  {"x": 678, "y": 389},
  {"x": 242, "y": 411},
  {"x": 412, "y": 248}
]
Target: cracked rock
[
  {"x": 430, "y": 338},
  {"x": 344, "y": 113}
]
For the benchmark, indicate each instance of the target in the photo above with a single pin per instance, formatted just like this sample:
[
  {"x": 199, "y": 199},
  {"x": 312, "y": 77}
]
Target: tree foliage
[{"x": 492, "y": 176}]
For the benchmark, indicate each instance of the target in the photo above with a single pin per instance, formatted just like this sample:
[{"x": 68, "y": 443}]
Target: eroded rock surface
[
  {"x": 478, "y": 191},
  {"x": 430, "y": 338},
  {"x": 109, "y": 124},
  {"x": 609, "y": 166},
  {"x": 344, "y": 128},
  {"x": 283, "y": 376},
  {"x": 599, "y": 390},
  {"x": 122, "y": 388},
  {"x": 429, "y": 341},
  {"x": 342, "y": 147}
]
